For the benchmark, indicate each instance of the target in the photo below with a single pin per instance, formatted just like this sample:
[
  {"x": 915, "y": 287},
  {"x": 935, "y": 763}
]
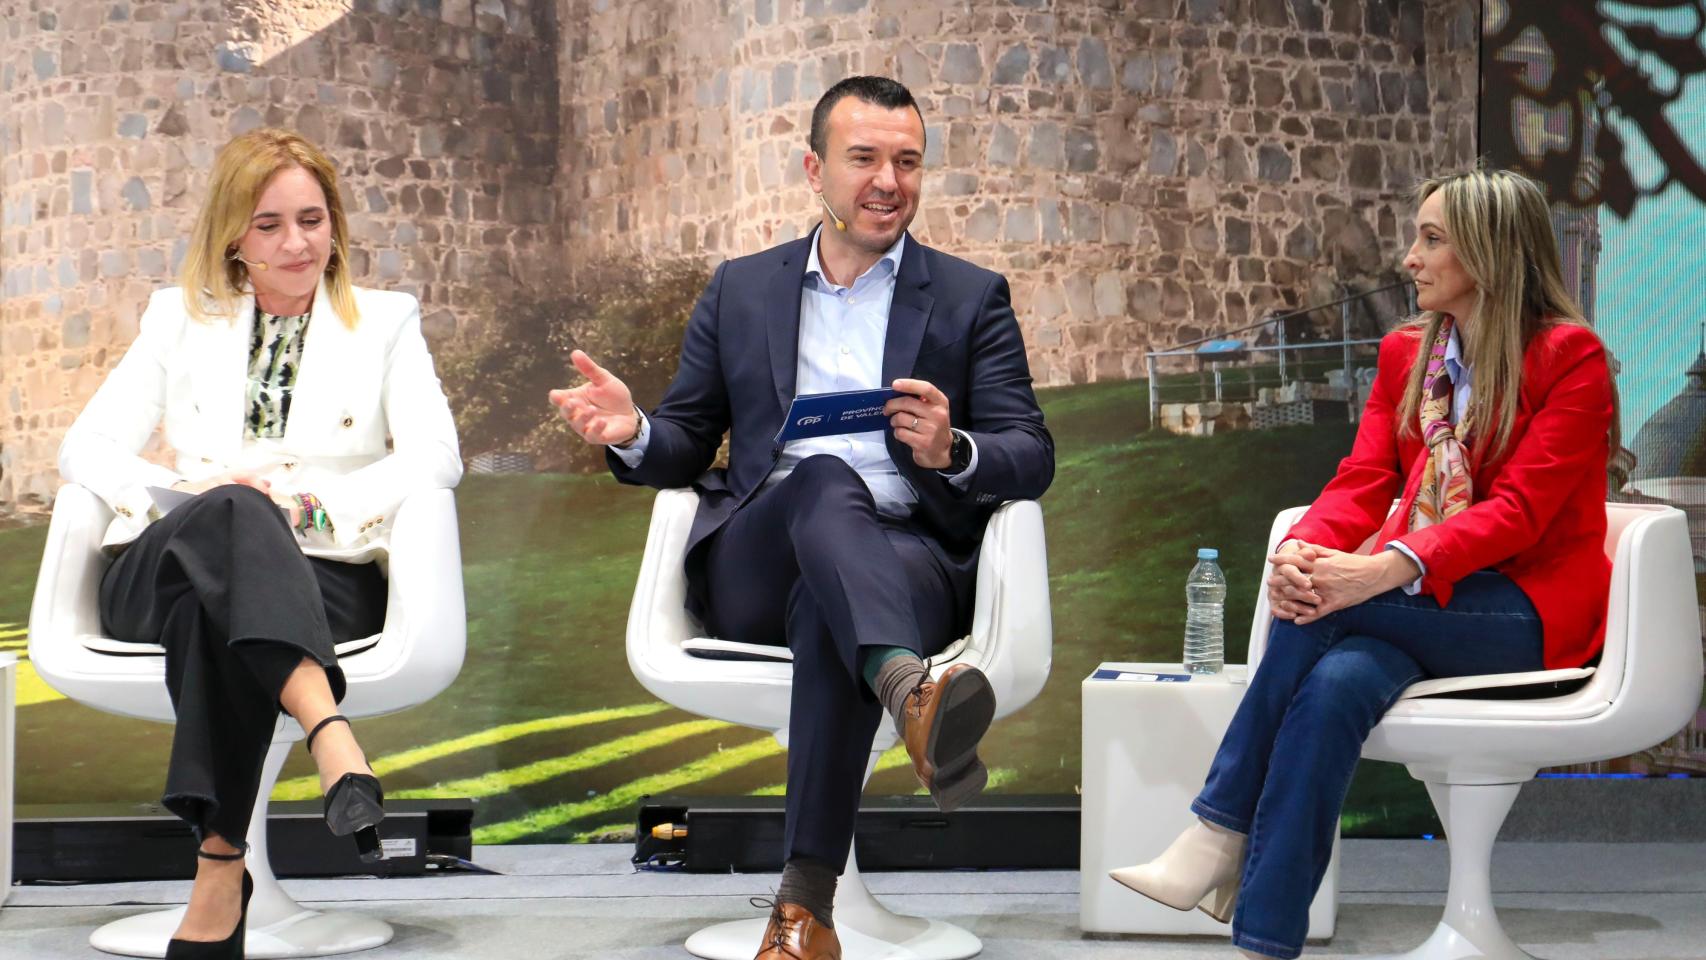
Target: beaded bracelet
[{"x": 313, "y": 513}]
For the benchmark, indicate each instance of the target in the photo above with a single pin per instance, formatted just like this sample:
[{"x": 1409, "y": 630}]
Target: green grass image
[{"x": 555, "y": 741}]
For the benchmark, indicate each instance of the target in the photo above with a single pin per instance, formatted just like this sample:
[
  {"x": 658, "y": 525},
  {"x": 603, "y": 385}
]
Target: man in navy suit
[{"x": 857, "y": 551}]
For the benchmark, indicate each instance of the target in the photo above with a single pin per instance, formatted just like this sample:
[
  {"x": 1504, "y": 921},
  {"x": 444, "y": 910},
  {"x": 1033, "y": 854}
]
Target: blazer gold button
[
  {"x": 124, "y": 512},
  {"x": 206, "y": 459},
  {"x": 349, "y": 421}
]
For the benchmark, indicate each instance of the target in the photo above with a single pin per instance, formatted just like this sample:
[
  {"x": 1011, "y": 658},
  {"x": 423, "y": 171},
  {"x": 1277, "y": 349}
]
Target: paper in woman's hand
[{"x": 166, "y": 498}]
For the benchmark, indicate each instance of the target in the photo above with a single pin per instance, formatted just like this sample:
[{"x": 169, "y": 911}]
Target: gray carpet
[{"x": 1562, "y": 901}]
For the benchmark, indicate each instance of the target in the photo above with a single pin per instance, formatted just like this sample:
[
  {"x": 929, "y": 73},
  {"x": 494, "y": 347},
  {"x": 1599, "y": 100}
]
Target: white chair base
[
  {"x": 1448, "y": 944},
  {"x": 1471, "y": 814},
  {"x": 867, "y": 929},
  {"x": 278, "y": 925},
  {"x": 305, "y": 933}
]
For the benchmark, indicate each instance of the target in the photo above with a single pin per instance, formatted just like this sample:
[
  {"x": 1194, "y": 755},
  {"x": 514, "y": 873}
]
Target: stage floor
[{"x": 1561, "y": 901}]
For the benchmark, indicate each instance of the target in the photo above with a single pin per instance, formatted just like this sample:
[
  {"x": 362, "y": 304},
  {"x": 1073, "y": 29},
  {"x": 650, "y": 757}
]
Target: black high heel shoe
[
  {"x": 231, "y": 948},
  {"x": 355, "y": 805}
]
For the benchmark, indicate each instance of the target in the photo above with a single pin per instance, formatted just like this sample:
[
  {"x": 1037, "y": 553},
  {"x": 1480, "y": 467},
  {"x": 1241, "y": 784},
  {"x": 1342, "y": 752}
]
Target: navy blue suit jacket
[{"x": 950, "y": 323}]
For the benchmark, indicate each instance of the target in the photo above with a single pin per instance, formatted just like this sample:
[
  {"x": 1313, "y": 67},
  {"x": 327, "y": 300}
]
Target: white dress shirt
[{"x": 842, "y": 330}]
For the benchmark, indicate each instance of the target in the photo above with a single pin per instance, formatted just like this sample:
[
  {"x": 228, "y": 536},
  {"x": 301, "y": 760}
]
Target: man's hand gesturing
[{"x": 600, "y": 410}]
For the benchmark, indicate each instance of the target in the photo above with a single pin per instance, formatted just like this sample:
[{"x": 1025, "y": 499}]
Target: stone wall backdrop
[
  {"x": 1144, "y": 171},
  {"x": 441, "y": 115}
]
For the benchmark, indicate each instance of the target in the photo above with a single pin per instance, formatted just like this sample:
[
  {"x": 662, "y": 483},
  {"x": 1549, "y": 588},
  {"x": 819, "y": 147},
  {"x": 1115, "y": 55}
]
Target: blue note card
[
  {"x": 831, "y": 414},
  {"x": 1132, "y": 676}
]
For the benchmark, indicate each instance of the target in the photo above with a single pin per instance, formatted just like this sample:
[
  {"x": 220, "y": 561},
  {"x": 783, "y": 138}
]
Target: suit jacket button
[
  {"x": 124, "y": 512},
  {"x": 290, "y": 465},
  {"x": 349, "y": 421},
  {"x": 206, "y": 459}
]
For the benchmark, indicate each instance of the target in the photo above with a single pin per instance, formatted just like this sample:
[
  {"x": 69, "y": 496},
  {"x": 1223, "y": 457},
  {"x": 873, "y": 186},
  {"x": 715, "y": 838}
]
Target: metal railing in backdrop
[{"x": 1213, "y": 352}]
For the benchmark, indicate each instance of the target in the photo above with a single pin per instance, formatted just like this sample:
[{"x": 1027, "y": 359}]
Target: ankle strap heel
[
  {"x": 308, "y": 743},
  {"x": 355, "y": 804}
]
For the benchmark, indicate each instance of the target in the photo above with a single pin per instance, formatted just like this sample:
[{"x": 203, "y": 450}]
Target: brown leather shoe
[
  {"x": 795, "y": 934},
  {"x": 945, "y": 719}
]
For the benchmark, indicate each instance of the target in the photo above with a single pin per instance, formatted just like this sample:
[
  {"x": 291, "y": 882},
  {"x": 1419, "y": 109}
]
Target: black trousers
[
  {"x": 221, "y": 583},
  {"x": 811, "y": 564}
]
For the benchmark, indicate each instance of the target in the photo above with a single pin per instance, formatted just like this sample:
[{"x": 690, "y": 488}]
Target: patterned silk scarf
[{"x": 1446, "y": 486}]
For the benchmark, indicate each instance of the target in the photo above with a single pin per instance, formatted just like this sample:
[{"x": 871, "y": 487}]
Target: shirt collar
[
  {"x": 1454, "y": 354},
  {"x": 891, "y": 257}
]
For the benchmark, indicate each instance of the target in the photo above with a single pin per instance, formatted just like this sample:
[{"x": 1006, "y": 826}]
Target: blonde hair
[
  {"x": 213, "y": 282},
  {"x": 1500, "y": 228}
]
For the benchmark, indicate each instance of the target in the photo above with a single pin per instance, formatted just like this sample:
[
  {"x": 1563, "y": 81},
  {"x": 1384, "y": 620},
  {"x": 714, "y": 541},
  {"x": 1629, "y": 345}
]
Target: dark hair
[{"x": 880, "y": 91}]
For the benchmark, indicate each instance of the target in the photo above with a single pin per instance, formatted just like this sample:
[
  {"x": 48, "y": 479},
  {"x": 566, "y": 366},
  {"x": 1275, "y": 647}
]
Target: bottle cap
[{"x": 1208, "y": 553}]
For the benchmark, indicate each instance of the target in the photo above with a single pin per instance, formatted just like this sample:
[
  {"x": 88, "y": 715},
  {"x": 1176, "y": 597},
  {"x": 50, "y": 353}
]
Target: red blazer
[{"x": 1538, "y": 514}]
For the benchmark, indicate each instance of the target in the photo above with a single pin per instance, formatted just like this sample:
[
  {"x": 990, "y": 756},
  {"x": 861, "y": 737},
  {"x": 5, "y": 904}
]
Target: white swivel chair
[
  {"x": 416, "y": 657},
  {"x": 1475, "y": 754},
  {"x": 1011, "y": 641}
]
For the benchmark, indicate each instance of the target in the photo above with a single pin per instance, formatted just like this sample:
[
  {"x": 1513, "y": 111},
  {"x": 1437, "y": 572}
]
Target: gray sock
[
  {"x": 897, "y": 678},
  {"x": 809, "y": 884}
]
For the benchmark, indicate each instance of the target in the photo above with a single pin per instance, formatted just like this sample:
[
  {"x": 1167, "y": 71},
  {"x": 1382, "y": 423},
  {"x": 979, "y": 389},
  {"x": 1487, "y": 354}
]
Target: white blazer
[{"x": 369, "y": 423}]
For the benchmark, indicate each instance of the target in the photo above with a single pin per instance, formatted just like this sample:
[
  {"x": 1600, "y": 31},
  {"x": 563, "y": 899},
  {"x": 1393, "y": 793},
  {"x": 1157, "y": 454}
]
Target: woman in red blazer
[{"x": 1490, "y": 422}]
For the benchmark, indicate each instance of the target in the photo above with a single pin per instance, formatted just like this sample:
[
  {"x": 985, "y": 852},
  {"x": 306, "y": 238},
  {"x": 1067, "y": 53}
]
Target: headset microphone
[
  {"x": 840, "y": 224},
  {"x": 248, "y": 263}
]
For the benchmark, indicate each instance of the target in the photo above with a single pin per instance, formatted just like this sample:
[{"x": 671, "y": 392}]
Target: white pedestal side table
[{"x": 1147, "y": 746}]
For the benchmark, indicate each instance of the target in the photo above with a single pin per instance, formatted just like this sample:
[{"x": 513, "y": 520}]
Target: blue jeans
[{"x": 1316, "y": 694}]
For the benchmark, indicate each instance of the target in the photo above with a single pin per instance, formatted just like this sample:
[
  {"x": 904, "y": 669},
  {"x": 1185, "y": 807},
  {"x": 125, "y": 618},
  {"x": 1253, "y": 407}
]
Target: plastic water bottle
[{"x": 1205, "y": 615}]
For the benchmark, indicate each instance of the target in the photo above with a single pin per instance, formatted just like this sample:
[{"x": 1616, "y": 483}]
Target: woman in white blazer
[{"x": 298, "y": 412}]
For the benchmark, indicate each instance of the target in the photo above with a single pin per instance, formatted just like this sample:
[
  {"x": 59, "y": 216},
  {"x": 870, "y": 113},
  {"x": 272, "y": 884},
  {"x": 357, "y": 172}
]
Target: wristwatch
[{"x": 959, "y": 456}]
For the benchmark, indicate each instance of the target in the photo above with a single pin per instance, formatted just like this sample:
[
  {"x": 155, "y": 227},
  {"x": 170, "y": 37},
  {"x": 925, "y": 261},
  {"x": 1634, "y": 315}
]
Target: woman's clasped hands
[{"x": 1310, "y": 581}]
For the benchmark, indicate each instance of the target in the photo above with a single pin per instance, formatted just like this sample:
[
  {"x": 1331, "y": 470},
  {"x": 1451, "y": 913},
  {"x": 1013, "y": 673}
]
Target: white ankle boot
[{"x": 1200, "y": 869}]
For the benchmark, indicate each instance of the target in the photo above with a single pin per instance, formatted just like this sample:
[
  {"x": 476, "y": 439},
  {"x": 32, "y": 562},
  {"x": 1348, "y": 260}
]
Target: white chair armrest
[
  {"x": 657, "y": 615},
  {"x": 1012, "y": 637},
  {"x": 1646, "y": 685},
  {"x": 748, "y": 692},
  {"x": 1263, "y": 617},
  {"x": 1012, "y": 631},
  {"x": 69, "y": 579},
  {"x": 417, "y": 656},
  {"x": 425, "y": 638},
  {"x": 66, "y": 612}
]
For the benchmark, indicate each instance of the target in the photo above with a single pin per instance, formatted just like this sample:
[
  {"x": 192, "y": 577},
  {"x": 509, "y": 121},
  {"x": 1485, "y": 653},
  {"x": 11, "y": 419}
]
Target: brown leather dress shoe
[
  {"x": 945, "y": 719},
  {"x": 795, "y": 934}
]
